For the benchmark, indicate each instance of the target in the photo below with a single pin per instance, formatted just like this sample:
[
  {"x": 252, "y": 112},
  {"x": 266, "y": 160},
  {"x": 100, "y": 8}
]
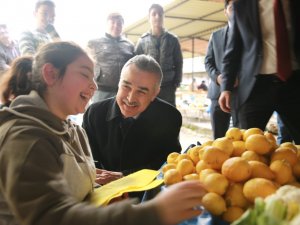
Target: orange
[
  {"x": 204, "y": 173},
  {"x": 234, "y": 196},
  {"x": 251, "y": 131},
  {"x": 296, "y": 170},
  {"x": 201, "y": 165},
  {"x": 259, "y": 169},
  {"x": 236, "y": 169},
  {"x": 251, "y": 156},
  {"x": 232, "y": 214},
  {"x": 171, "y": 158},
  {"x": 285, "y": 153},
  {"x": 270, "y": 136},
  {"x": 194, "y": 153},
  {"x": 214, "y": 157},
  {"x": 168, "y": 166},
  {"x": 234, "y": 134},
  {"x": 238, "y": 148},
  {"x": 192, "y": 176},
  {"x": 185, "y": 166},
  {"x": 258, "y": 187},
  {"x": 214, "y": 203},
  {"x": 216, "y": 182},
  {"x": 289, "y": 145},
  {"x": 172, "y": 176},
  {"x": 225, "y": 144},
  {"x": 182, "y": 156},
  {"x": 282, "y": 170},
  {"x": 258, "y": 143}
]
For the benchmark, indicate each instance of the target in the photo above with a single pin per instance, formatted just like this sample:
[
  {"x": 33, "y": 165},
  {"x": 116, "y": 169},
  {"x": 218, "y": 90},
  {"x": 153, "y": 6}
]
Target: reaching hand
[{"x": 179, "y": 202}]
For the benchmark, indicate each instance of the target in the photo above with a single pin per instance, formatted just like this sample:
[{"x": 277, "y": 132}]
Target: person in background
[
  {"x": 263, "y": 51},
  {"x": 202, "y": 86},
  {"x": 9, "y": 49},
  {"x": 220, "y": 121},
  {"x": 44, "y": 32},
  {"x": 110, "y": 53},
  {"x": 46, "y": 166},
  {"x": 16, "y": 80},
  {"x": 134, "y": 130},
  {"x": 164, "y": 47},
  {"x": 283, "y": 133}
]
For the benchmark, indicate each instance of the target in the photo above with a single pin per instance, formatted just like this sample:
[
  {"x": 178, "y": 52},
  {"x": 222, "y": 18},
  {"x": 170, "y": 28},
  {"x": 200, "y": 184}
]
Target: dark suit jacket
[
  {"x": 243, "y": 55},
  {"x": 213, "y": 60},
  {"x": 153, "y": 135}
]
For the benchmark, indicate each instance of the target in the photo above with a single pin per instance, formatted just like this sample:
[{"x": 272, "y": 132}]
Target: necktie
[{"x": 284, "y": 67}]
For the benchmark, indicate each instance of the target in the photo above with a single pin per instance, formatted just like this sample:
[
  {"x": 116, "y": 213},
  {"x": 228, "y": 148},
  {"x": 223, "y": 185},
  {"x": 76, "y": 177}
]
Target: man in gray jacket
[
  {"x": 110, "y": 53},
  {"x": 164, "y": 47}
]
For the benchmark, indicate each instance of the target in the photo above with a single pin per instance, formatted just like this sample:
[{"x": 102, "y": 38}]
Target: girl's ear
[{"x": 50, "y": 74}]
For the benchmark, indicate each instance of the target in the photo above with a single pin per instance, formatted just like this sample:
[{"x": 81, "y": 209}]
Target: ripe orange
[
  {"x": 282, "y": 170},
  {"x": 214, "y": 203},
  {"x": 172, "y": 176},
  {"x": 258, "y": 187},
  {"x": 258, "y": 143},
  {"x": 234, "y": 134},
  {"x": 185, "y": 166},
  {"x": 168, "y": 166},
  {"x": 285, "y": 153},
  {"x": 216, "y": 182},
  {"x": 214, "y": 157},
  {"x": 204, "y": 173},
  {"x": 201, "y": 165},
  {"x": 234, "y": 196},
  {"x": 251, "y": 156},
  {"x": 225, "y": 144},
  {"x": 171, "y": 158},
  {"x": 192, "y": 176},
  {"x": 259, "y": 169},
  {"x": 236, "y": 169},
  {"x": 251, "y": 131},
  {"x": 238, "y": 148}
]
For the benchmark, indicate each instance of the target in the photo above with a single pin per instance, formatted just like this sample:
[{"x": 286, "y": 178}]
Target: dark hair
[
  {"x": 158, "y": 7},
  {"x": 146, "y": 63},
  {"x": 16, "y": 81},
  {"x": 44, "y": 2},
  {"x": 226, "y": 3},
  {"x": 60, "y": 55},
  {"x": 115, "y": 15}
]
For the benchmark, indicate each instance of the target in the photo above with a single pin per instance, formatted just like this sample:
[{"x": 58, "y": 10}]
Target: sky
[{"x": 76, "y": 20}]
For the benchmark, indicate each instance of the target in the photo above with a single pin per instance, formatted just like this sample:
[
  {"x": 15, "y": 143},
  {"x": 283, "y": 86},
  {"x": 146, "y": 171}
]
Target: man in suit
[
  {"x": 251, "y": 56},
  {"x": 134, "y": 130},
  {"x": 220, "y": 120}
]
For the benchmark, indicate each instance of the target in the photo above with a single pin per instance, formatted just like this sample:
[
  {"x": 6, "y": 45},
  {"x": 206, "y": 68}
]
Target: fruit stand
[{"x": 242, "y": 172}]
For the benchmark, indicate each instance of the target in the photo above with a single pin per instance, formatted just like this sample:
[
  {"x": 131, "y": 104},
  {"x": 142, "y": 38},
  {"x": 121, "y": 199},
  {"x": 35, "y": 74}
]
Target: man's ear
[
  {"x": 156, "y": 93},
  {"x": 50, "y": 74}
]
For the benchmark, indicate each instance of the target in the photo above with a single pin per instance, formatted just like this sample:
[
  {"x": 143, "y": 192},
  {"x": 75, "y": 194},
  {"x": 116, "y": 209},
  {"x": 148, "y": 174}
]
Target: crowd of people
[{"x": 49, "y": 165}]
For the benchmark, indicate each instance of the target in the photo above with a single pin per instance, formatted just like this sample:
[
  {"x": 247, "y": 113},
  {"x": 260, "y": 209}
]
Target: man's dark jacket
[
  {"x": 110, "y": 56},
  {"x": 149, "y": 140}
]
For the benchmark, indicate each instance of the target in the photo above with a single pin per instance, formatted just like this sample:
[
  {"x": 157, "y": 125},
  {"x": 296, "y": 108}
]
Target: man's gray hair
[{"x": 146, "y": 63}]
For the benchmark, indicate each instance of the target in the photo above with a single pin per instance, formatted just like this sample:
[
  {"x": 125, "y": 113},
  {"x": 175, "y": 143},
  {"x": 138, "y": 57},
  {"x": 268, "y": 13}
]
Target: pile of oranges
[{"x": 236, "y": 169}]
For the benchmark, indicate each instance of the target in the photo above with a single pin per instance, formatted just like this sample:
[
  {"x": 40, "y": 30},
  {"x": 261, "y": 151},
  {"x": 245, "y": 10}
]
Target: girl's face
[{"x": 70, "y": 94}]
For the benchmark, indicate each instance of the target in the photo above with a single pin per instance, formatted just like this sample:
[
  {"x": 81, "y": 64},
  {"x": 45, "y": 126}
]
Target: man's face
[
  {"x": 45, "y": 15},
  {"x": 137, "y": 89},
  {"x": 228, "y": 10},
  {"x": 4, "y": 37},
  {"x": 156, "y": 18},
  {"x": 115, "y": 27}
]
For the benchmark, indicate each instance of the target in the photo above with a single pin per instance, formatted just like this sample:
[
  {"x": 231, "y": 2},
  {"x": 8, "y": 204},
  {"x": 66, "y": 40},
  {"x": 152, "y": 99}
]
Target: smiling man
[{"x": 134, "y": 130}]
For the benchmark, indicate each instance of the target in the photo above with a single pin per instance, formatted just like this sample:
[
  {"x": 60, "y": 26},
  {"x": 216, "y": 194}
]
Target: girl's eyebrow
[{"x": 88, "y": 68}]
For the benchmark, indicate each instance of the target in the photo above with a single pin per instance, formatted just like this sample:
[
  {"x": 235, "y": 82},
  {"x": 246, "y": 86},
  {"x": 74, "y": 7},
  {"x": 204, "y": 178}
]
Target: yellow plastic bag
[{"x": 141, "y": 180}]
